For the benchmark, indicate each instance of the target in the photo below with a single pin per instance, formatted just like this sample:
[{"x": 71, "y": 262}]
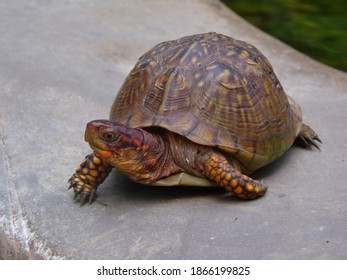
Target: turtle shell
[{"x": 215, "y": 91}]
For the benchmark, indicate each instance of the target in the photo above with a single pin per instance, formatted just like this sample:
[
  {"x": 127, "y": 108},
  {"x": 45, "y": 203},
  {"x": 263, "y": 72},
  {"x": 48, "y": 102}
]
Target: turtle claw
[
  {"x": 308, "y": 137},
  {"x": 310, "y": 141},
  {"x": 83, "y": 192},
  {"x": 75, "y": 196},
  {"x": 84, "y": 198}
]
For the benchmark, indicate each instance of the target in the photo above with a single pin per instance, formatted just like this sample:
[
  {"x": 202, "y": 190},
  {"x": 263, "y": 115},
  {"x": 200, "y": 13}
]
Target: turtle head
[
  {"x": 139, "y": 154},
  {"x": 113, "y": 141}
]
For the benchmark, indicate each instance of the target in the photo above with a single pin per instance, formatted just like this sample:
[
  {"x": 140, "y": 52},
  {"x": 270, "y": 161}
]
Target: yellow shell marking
[
  {"x": 194, "y": 59},
  {"x": 224, "y": 75},
  {"x": 197, "y": 75},
  {"x": 243, "y": 115},
  {"x": 201, "y": 84},
  {"x": 174, "y": 80},
  {"x": 230, "y": 53},
  {"x": 188, "y": 52},
  {"x": 245, "y": 53},
  {"x": 179, "y": 80},
  {"x": 211, "y": 67},
  {"x": 166, "y": 93},
  {"x": 239, "y": 98}
]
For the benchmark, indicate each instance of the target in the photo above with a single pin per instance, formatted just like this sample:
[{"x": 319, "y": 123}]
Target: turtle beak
[
  {"x": 92, "y": 137},
  {"x": 91, "y": 132}
]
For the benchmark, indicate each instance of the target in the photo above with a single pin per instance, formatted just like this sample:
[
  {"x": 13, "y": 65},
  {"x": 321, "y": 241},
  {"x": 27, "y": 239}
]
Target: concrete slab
[{"x": 61, "y": 64}]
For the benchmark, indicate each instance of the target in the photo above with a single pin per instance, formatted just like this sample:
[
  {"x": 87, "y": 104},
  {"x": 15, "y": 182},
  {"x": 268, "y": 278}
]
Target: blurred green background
[{"x": 316, "y": 28}]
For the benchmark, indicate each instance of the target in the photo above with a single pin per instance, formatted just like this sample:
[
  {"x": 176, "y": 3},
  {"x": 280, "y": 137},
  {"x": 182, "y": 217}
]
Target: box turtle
[{"x": 203, "y": 110}]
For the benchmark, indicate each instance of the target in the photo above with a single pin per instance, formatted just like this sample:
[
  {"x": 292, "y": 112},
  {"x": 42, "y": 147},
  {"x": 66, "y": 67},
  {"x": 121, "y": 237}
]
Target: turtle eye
[{"x": 109, "y": 136}]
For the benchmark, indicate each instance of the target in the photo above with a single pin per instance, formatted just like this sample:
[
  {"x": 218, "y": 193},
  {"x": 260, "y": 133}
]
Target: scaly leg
[
  {"x": 88, "y": 176},
  {"x": 219, "y": 170}
]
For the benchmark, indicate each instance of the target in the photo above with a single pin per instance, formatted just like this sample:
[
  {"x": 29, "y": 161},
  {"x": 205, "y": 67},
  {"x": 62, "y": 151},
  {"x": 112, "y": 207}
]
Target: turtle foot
[
  {"x": 88, "y": 176},
  {"x": 308, "y": 138}
]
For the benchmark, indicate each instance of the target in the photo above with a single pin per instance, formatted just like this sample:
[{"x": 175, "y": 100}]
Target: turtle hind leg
[
  {"x": 307, "y": 137},
  {"x": 219, "y": 170}
]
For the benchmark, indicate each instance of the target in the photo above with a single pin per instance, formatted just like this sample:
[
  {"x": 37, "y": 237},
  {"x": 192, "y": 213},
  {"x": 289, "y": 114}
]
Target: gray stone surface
[{"x": 61, "y": 64}]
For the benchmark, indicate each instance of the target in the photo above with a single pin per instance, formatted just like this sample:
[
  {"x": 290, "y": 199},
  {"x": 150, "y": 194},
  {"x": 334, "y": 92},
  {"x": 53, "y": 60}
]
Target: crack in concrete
[
  {"x": 18, "y": 226},
  {"x": 17, "y": 240}
]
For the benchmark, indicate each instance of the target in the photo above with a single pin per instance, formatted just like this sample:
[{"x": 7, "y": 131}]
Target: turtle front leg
[
  {"x": 219, "y": 170},
  {"x": 88, "y": 176}
]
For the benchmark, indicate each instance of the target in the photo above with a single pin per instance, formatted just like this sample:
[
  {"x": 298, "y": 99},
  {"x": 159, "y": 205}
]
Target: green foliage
[{"x": 316, "y": 28}]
